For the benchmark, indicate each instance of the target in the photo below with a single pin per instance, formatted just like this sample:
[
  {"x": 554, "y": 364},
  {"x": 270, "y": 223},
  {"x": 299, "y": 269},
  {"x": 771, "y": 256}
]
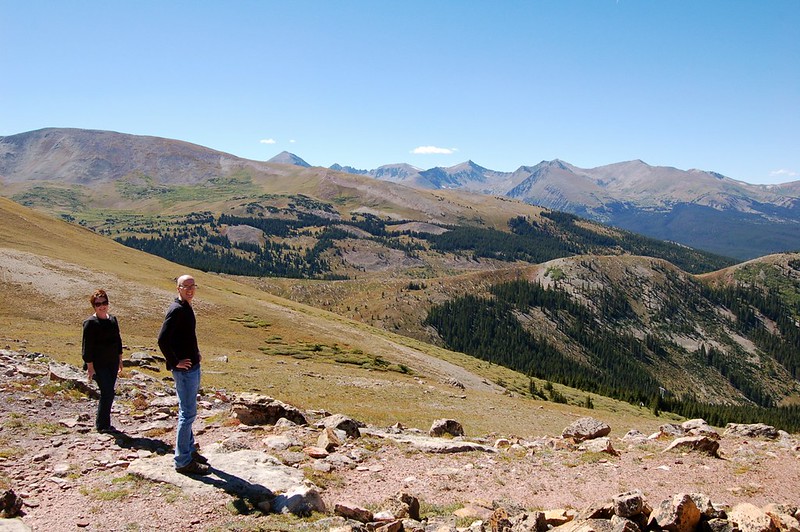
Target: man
[{"x": 178, "y": 342}]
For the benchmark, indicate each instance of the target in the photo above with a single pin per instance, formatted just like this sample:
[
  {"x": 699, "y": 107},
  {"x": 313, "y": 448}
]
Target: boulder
[
  {"x": 707, "y": 509},
  {"x": 670, "y": 430},
  {"x": 751, "y": 518},
  {"x": 352, "y": 511},
  {"x": 623, "y": 524},
  {"x": 699, "y": 427},
  {"x": 751, "y": 430},
  {"x": 254, "y": 409},
  {"x": 349, "y": 426},
  {"x": 451, "y": 427},
  {"x": 302, "y": 500},
  {"x": 328, "y": 440},
  {"x": 589, "y": 525},
  {"x": 719, "y": 525},
  {"x": 628, "y": 504},
  {"x": 74, "y": 378},
  {"x": 402, "y": 506},
  {"x": 528, "y": 522},
  {"x": 586, "y": 428},
  {"x": 695, "y": 443},
  {"x": 599, "y": 445},
  {"x": 676, "y": 514}
]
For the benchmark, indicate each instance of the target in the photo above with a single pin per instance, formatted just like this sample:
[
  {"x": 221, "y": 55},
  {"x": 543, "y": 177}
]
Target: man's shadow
[
  {"x": 236, "y": 486},
  {"x": 246, "y": 492}
]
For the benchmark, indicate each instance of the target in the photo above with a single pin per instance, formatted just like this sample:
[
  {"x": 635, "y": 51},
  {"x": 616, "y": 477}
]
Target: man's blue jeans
[{"x": 187, "y": 385}]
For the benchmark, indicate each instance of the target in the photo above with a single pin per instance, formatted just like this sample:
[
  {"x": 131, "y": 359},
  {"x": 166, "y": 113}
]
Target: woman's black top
[{"x": 102, "y": 343}]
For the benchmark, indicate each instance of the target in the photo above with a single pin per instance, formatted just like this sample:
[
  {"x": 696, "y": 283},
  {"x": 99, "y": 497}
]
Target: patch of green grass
[
  {"x": 49, "y": 428},
  {"x": 18, "y": 422},
  {"x": 51, "y": 389},
  {"x": 11, "y": 452},
  {"x": 251, "y": 322},
  {"x": 591, "y": 457},
  {"x": 100, "y": 494},
  {"x": 323, "y": 479},
  {"x": 71, "y": 199},
  {"x": 274, "y": 523},
  {"x": 428, "y": 510},
  {"x": 121, "y": 488},
  {"x": 14, "y": 421}
]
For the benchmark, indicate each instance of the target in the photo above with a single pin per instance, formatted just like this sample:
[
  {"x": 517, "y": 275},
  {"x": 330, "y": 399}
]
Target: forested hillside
[
  {"x": 672, "y": 345},
  {"x": 309, "y": 239}
]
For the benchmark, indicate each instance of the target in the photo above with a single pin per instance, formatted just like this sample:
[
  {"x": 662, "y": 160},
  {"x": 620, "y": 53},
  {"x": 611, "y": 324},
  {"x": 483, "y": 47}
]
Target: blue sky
[{"x": 713, "y": 85}]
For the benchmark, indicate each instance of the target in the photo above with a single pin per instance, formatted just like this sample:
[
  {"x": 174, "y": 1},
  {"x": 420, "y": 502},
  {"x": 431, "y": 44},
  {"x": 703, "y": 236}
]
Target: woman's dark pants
[{"x": 106, "y": 379}]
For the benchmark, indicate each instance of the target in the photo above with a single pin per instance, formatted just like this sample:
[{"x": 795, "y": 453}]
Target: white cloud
[
  {"x": 433, "y": 149},
  {"x": 292, "y": 141},
  {"x": 267, "y": 141},
  {"x": 783, "y": 172}
]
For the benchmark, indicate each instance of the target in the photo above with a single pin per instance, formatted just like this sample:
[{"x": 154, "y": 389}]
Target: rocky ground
[{"x": 66, "y": 476}]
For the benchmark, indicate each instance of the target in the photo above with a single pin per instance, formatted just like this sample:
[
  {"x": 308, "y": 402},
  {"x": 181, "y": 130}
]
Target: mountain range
[
  {"x": 697, "y": 208},
  {"x": 551, "y": 296}
]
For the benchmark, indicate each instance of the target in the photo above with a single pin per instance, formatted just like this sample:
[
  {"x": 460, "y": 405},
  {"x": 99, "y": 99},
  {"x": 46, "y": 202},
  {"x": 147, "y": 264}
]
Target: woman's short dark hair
[{"x": 98, "y": 294}]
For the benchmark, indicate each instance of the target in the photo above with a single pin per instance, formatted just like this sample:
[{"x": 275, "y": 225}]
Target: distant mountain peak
[{"x": 286, "y": 157}]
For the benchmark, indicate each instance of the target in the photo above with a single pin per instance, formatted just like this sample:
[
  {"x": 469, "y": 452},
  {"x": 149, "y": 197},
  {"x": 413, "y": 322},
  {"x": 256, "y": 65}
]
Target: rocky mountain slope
[{"x": 324, "y": 471}]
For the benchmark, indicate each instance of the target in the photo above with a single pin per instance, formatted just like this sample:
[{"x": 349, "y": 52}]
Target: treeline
[
  {"x": 535, "y": 247},
  {"x": 267, "y": 260},
  {"x": 618, "y": 364}
]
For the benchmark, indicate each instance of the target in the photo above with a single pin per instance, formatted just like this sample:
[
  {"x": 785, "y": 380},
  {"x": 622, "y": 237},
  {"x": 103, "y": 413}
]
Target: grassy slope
[{"x": 49, "y": 268}]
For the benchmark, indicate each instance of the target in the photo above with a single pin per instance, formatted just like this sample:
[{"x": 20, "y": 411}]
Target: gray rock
[
  {"x": 628, "y": 504},
  {"x": 430, "y": 444},
  {"x": 255, "y": 409},
  {"x": 280, "y": 442},
  {"x": 440, "y": 427},
  {"x": 676, "y": 514},
  {"x": 599, "y": 445},
  {"x": 586, "y": 428},
  {"x": 246, "y": 473},
  {"x": 719, "y": 525},
  {"x": 71, "y": 375},
  {"x": 13, "y": 525},
  {"x": 300, "y": 500},
  {"x": 751, "y": 518},
  {"x": 752, "y": 430},
  {"x": 623, "y": 524},
  {"x": 695, "y": 443},
  {"x": 328, "y": 440},
  {"x": 341, "y": 422}
]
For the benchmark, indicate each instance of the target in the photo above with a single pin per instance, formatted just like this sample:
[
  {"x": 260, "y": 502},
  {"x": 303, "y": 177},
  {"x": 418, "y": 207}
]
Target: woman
[{"x": 102, "y": 356}]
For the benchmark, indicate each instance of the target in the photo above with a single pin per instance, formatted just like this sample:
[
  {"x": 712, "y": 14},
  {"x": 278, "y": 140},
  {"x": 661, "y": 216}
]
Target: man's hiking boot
[
  {"x": 194, "y": 468},
  {"x": 199, "y": 458}
]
